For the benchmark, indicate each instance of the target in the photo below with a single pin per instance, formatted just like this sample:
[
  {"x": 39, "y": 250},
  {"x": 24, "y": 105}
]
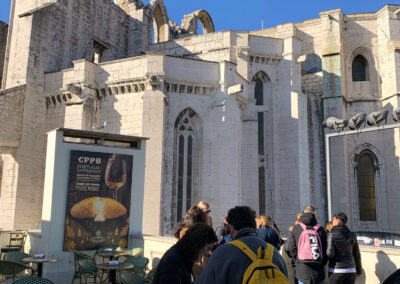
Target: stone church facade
[{"x": 233, "y": 117}]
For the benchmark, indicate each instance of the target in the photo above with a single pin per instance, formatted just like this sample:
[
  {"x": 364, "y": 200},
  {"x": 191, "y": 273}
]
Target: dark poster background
[{"x": 98, "y": 203}]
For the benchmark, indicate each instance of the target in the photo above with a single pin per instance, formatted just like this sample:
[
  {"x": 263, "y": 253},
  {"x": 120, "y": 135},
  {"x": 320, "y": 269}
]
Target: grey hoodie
[{"x": 228, "y": 263}]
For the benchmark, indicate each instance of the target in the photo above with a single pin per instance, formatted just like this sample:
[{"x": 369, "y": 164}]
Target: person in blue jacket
[{"x": 268, "y": 231}]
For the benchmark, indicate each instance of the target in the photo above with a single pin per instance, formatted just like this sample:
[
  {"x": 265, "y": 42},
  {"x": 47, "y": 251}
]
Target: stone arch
[
  {"x": 205, "y": 19},
  {"x": 353, "y": 88},
  {"x": 262, "y": 76},
  {"x": 190, "y": 26},
  {"x": 160, "y": 21},
  {"x": 397, "y": 14}
]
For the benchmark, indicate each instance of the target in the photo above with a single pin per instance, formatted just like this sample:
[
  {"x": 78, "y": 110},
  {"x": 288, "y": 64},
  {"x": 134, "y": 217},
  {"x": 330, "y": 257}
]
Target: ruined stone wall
[
  {"x": 11, "y": 110},
  {"x": 214, "y": 47},
  {"x": 3, "y": 43},
  {"x": 72, "y": 27}
]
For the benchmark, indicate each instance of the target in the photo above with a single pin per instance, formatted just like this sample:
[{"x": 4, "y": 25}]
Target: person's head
[
  {"x": 329, "y": 226},
  {"x": 194, "y": 215},
  {"x": 339, "y": 219},
  {"x": 182, "y": 229},
  {"x": 310, "y": 209},
  {"x": 226, "y": 225},
  {"x": 203, "y": 205},
  {"x": 241, "y": 217},
  {"x": 264, "y": 221},
  {"x": 298, "y": 218},
  {"x": 198, "y": 240}
]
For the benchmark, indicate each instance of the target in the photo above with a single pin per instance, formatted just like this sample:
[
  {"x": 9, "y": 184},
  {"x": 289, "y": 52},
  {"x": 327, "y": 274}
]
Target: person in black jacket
[
  {"x": 308, "y": 272},
  {"x": 343, "y": 252},
  {"x": 175, "y": 266}
]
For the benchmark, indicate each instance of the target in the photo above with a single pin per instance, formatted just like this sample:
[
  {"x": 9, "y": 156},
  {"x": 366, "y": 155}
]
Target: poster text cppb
[{"x": 98, "y": 203}]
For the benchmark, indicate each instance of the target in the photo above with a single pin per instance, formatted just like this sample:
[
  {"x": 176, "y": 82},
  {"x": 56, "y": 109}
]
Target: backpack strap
[
  {"x": 302, "y": 226},
  {"x": 244, "y": 248},
  {"x": 316, "y": 227},
  {"x": 269, "y": 252}
]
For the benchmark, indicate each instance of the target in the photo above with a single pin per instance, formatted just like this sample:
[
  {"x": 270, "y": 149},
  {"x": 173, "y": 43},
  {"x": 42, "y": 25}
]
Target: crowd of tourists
[{"x": 246, "y": 249}]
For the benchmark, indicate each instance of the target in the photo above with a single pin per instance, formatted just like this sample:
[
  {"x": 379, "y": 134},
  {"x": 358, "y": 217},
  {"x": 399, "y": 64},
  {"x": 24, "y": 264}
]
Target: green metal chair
[
  {"x": 139, "y": 264},
  {"x": 78, "y": 255},
  {"x": 33, "y": 280},
  {"x": 88, "y": 269},
  {"x": 127, "y": 277},
  {"x": 136, "y": 252},
  {"x": 151, "y": 274},
  {"x": 10, "y": 269},
  {"x": 16, "y": 256}
]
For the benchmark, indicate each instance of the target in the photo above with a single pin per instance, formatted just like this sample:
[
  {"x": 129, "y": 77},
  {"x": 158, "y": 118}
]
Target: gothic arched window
[
  {"x": 187, "y": 132},
  {"x": 359, "y": 68},
  {"x": 259, "y": 96},
  {"x": 366, "y": 185}
]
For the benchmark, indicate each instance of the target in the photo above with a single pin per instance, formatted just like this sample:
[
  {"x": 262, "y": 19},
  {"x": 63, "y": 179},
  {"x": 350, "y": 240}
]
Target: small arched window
[
  {"x": 366, "y": 185},
  {"x": 360, "y": 69}
]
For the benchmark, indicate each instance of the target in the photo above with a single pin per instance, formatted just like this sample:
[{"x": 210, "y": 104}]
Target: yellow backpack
[{"x": 261, "y": 270}]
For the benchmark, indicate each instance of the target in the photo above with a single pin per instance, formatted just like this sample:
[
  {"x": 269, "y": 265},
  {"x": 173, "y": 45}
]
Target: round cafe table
[
  {"x": 112, "y": 269},
  {"x": 112, "y": 254},
  {"x": 39, "y": 262}
]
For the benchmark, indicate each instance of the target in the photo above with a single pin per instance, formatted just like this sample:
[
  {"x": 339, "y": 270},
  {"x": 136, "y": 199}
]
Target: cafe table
[
  {"x": 39, "y": 262},
  {"x": 112, "y": 269},
  {"x": 112, "y": 254}
]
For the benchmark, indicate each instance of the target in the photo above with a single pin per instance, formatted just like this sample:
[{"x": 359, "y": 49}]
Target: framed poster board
[{"x": 98, "y": 201}]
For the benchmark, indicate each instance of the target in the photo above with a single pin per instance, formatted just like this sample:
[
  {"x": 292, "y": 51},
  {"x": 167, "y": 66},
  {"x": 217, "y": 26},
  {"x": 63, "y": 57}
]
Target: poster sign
[{"x": 98, "y": 202}]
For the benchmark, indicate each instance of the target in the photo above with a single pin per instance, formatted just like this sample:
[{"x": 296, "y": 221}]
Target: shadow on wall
[
  {"x": 384, "y": 266},
  {"x": 362, "y": 279},
  {"x": 155, "y": 262}
]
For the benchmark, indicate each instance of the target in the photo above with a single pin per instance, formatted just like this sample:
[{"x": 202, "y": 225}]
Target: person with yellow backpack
[{"x": 247, "y": 259}]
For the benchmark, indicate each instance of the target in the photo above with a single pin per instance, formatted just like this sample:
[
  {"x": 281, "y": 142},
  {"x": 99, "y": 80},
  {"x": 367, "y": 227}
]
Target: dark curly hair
[
  {"x": 241, "y": 217},
  {"x": 193, "y": 216},
  {"x": 195, "y": 239}
]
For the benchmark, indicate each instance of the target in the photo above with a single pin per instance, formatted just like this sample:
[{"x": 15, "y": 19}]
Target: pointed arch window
[
  {"x": 259, "y": 96},
  {"x": 365, "y": 170},
  {"x": 187, "y": 132},
  {"x": 360, "y": 69}
]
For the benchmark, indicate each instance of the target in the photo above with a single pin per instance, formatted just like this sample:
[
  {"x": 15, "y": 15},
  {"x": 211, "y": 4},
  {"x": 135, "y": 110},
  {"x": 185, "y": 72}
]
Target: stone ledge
[
  {"x": 381, "y": 250},
  {"x": 162, "y": 239}
]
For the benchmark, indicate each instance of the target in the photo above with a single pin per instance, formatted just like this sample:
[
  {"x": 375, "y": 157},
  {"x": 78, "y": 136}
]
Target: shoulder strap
[
  {"x": 244, "y": 248},
  {"x": 302, "y": 226},
  {"x": 269, "y": 252},
  {"x": 316, "y": 227}
]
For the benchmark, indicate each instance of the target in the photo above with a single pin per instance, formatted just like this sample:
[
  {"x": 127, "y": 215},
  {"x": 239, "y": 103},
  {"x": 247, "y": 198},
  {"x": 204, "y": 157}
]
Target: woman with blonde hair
[
  {"x": 268, "y": 231},
  {"x": 203, "y": 205}
]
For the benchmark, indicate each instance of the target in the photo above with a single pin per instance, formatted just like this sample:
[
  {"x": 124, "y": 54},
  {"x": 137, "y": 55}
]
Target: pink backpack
[{"x": 309, "y": 247}]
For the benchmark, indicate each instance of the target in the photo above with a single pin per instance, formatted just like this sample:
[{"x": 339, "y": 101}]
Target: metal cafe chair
[
  {"x": 33, "y": 280},
  {"x": 151, "y": 274},
  {"x": 16, "y": 243},
  {"x": 139, "y": 264},
  {"x": 88, "y": 269},
  {"x": 78, "y": 255},
  {"x": 132, "y": 278},
  {"x": 10, "y": 269}
]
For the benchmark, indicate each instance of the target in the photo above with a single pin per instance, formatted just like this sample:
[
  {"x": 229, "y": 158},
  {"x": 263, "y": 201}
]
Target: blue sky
[{"x": 248, "y": 15}]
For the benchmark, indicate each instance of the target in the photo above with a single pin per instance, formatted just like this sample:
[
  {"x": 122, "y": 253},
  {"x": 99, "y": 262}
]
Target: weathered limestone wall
[{"x": 214, "y": 47}]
